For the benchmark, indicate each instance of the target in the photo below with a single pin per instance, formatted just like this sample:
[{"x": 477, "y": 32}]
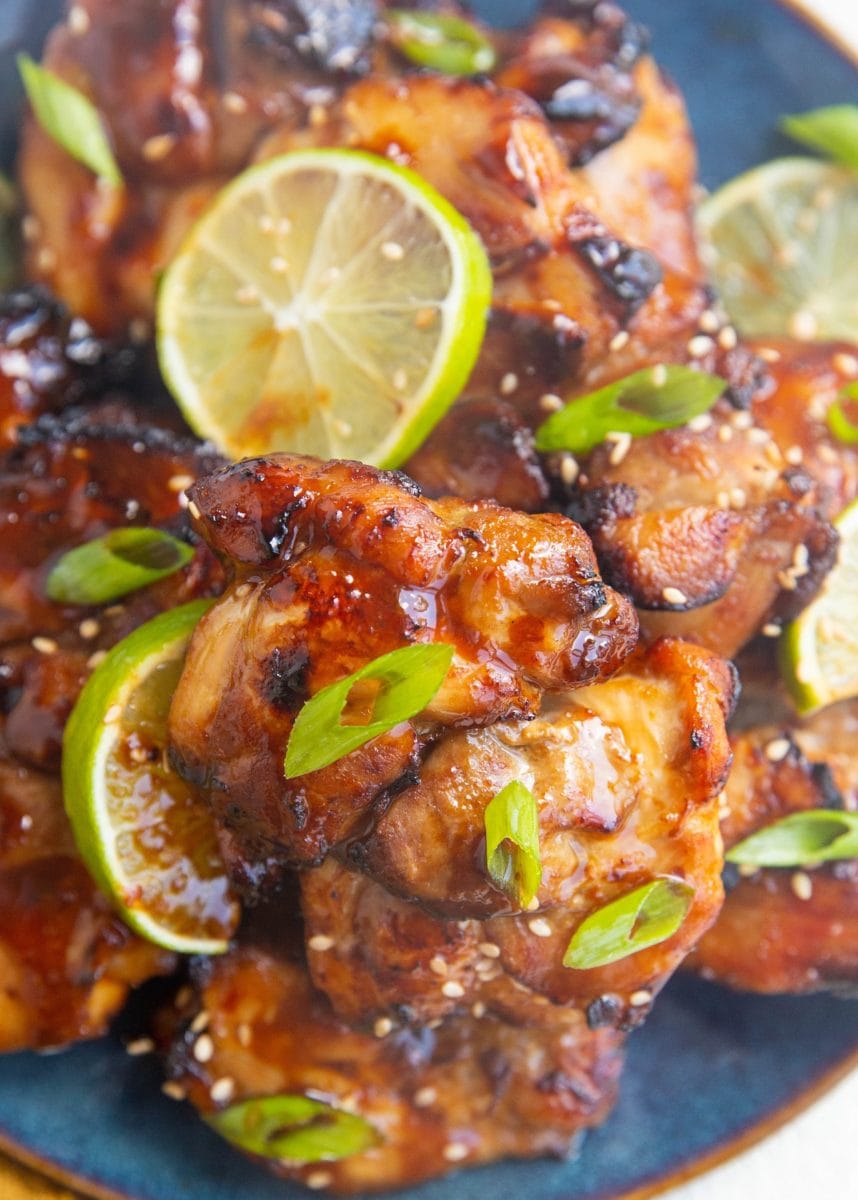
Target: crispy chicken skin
[
  {"x": 786, "y": 930},
  {"x": 626, "y": 774},
  {"x": 469, "y": 1090},
  {"x": 66, "y": 961},
  {"x": 734, "y": 515},
  {"x": 335, "y": 564}
]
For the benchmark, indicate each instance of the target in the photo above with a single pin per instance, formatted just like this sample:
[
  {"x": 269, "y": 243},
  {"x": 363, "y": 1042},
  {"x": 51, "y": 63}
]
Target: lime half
[
  {"x": 147, "y": 840},
  {"x": 780, "y": 243},
  {"x": 327, "y": 303},
  {"x": 819, "y": 652}
]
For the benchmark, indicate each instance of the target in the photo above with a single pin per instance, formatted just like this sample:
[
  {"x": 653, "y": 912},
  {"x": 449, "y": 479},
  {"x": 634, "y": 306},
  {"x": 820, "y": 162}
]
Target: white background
[{"x": 814, "y": 1157}]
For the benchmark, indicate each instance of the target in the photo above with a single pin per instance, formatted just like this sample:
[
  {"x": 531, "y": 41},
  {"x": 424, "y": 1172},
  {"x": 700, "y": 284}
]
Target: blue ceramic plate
[{"x": 710, "y": 1070}]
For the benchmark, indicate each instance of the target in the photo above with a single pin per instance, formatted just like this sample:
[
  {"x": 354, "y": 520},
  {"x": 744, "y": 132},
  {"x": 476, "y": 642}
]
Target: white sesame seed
[
  {"x": 382, "y": 1027},
  {"x": 759, "y": 436},
  {"x": 453, "y": 990},
  {"x": 78, "y": 20},
  {"x": 89, "y": 628},
  {"x": 569, "y": 469},
  {"x": 620, "y": 444},
  {"x": 659, "y": 375},
  {"x": 771, "y": 629},
  {"x": 26, "y": 822},
  {"x": 455, "y": 1151},
  {"x": 747, "y": 870},
  {"x": 550, "y": 402},
  {"x": 801, "y": 558},
  {"x": 777, "y": 749},
  {"x": 489, "y": 949},
  {"x": 533, "y": 905},
  {"x": 728, "y": 339},
  {"x": 438, "y": 965},
  {"x": 700, "y": 423},
  {"x": 193, "y": 509},
  {"x": 700, "y": 345},
  {"x": 768, "y": 354},
  {"x": 96, "y": 659},
  {"x": 30, "y": 227},
  {"x": 173, "y": 1090},
  {"x": 320, "y": 941},
  {"x": 673, "y": 595},
  {"x": 508, "y": 383},
  {"x": 200, "y": 1021},
  {"x": 46, "y": 259},
  {"x": 803, "y": 325},
  {"x": 787, "y": 579},
  {"x": 741, "y": 420},
  {"x": 317, "y": 1180},
  {"x": 478, "y": 1010},
  {"x": 725, "y": 433},
  {"x": 44, "y": 645},
  {"x": 846, "y": 364},
  {"x": 801, "y": 884},
  {"x": 539, "y": 927},
  {"x": 392, "y": 251},
  {"x": 179, "y": 483},
  {"x": 794, "y": 455},
  {"x": 143, "y": 1045},
  {"x": 640, "y": 998},
  {"x": 709, "y": 321},
  {"x": 400, "y": 379},
  {"x": 619, "y": 340},
  {"x": 203, "y": 1049},
  {"x": 424, "y": 1097},
  {"x": 158, "y": 146},
  {"x": 222, "y": 1089},
  {"x": 234, "y": 103},
  {"x": 738, "y": 498}
]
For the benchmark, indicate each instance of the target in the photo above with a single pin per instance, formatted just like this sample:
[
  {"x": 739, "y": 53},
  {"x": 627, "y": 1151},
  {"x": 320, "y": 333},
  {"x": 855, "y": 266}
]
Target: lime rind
[
  {"x": 198, "y": 295},
  {"x": 819, "y": 649},
  {"x": 86, "y": 753},
  {"x": 779, "y": 242}
]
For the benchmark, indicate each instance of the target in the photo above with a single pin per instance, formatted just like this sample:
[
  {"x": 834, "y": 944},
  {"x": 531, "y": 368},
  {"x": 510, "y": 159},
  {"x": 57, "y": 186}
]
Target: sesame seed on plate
[
  {"x": 709, "y": 321},
  {"x": 777, "y": 749},
  {"x": 508, "y": 383},
  {"x": 846, "y": 364},
  {"x": 640, "y": 998},
  {"x": 200, "y": 1021},
  {"x": 234, "y": 103},
  {"x": 425, "y": 1096},
  {"x": 478, "y": 1010},
  {"x": 725, "y": 433},
  {"x": 788, "y": 579},
  {"x": 382, "y": 1027},
  {"x": 158, "y": 146},
  {"x": 803, "y": 325},
  {"x": 539, "y": 927},
  {"x": 794, "y": 455},
  {"x": 550, "y": 402},
  {"x": 455, "y": 1151},
  {"x": 700, "y": 345},
  {"x": 741, "y": 420},
  {"x": 700, "y": 423},
  {"x": 96, "y": 659},
  {"x": 438, "y": 965},
  {"x": 44, "y": 645},
  {"x": 78, "y": 20},
  {"x": 142, "y": 1045},
  {"x": 204, "y": 1049},
  {"x": 620, "y": 443},
  {"x": 728, "y": 339},
  {"x": 173, "y": 1090},
  {"x": 673, "y": 595},
  {"x": 453, "y": 990},
  {"x": 179, "y": 483},
  {"x": 89, "y": 628},
  {"x": 768, "y": 354},
  {"x": 317, "y": 1180},
  {"x": 193, "y": 509},
  {"x": 801, "y": 884},
  {"x": 569, "y": 469},
  {"x": 320, "y": 941},
  {"x": 489, "y": 949},
  {"x": 619, "y": 340},
  {"x": 771, "y": 629},
  {"x": 222, "y": 1089}
]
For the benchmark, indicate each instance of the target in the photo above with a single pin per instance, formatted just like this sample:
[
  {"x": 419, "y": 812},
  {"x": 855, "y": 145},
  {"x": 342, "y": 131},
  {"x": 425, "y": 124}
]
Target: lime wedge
[
  {"x": 780, "y": 243},
  {"x": 147, "y": 840},
  {"x": 819, "y": 651},
  {"x": 328, "y": 303}
]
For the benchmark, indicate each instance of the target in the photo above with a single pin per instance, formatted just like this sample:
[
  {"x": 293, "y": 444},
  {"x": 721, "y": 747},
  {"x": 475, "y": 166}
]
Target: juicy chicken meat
[
  {"x": 717, "y": 529},
  {"x": 468, "y": 1090},
  {"x": 786, "y": 930},
  {"x": 66, "y": 961},
  {"x": 333, "y": 565},
  {"x": 626, "y": 774}
]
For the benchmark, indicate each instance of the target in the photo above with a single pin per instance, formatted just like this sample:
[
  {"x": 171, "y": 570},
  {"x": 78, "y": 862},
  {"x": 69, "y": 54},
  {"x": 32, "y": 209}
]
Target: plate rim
[{"x": 658, "y": 1184}]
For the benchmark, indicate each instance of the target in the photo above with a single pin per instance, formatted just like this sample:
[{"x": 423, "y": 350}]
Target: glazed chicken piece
[
  {"x": 334, "y": 564},
  {"x": 66, "y": 961},
  {"x": 469, "y": 1090},
  {"x": 626, "y": 774},
  {"x": 786, "y": 930},
  {"x": 717, "y": 529}
]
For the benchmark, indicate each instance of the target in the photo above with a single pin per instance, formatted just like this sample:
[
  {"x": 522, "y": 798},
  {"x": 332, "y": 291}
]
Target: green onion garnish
[
  {"x": 838, "y": 422},
  {"x": 407, "y": 680},
  {"x": 642, "y": 403},
  {"x": 115, "y": 564},
  {"x": 294, "y": 1128},
  {"x": 642, "y": 918},
  {"x": 9, "y": 240},
  {"x": 70, "y": 118},
  {"x": 833, "y": 130},
  {"x": 801, "y": 840},
  {"x": 512, "y": 842},
  {"x": 443, "y": 43}
]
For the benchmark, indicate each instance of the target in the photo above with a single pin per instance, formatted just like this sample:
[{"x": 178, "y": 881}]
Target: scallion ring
[
  {"x": 638, "y": 920},
  {"x": 294, "y": 1128},
  {"x": 833, "y": 130},
  {"x": 441, "y": 42},
  {"x": 512, "y": 843},
  {"x": 841, "y": 427},
  {"x": 115, "y": 564},
  {"x": 802, "y": 839}
]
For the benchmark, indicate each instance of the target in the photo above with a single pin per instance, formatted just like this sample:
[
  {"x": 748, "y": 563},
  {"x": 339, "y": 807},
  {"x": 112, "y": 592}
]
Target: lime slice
[
  {"x": 327, "y": 303},
  {"x": 780, "y": 244},
  {"x": 147, "y": 840},
  {"x": 819, "y": 651}
]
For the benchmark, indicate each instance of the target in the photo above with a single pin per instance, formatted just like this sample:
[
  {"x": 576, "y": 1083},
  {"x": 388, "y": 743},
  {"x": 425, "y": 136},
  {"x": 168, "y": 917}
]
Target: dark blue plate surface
[{"x": 710, "y": 1067}]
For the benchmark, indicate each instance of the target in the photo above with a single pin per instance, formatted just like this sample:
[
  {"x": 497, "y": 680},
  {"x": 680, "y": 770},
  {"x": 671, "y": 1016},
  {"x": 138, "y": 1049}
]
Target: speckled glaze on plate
[{"x": 711, "y": 1070}]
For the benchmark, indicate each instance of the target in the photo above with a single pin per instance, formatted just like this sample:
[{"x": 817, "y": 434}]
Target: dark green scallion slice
[
  {"x": 294, "y": 1128},
  {"x": 441, "y": 42}
]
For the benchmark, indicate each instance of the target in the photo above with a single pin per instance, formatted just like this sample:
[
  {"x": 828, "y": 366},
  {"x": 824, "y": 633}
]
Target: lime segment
[
  {"x": 327, "y": 303},
  {"x": 147, "y": 840},
  {"x": 819, "y": 654},
  {"x": 780, "y": 242}
]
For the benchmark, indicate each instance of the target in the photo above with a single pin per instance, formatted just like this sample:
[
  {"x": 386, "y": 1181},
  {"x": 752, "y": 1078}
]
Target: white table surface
[{"x": 815, "y": 1156}]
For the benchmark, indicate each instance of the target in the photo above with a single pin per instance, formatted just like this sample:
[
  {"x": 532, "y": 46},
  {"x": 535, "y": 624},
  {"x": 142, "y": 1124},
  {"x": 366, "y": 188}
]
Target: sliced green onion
[
  {"x": 838, "y": 422},
  {"x": 70, "y": 118},
  {"x": 408, "y": 679},
  {"x": 642, "y": 403},
  {"x": 443, "y": 43},
  {"x": 115, "y": 564},
  {"x": 9, "y": 241},
  {"x": 294, "y": 1128},
  {"x": 642, "y": 918},
  {"x": 512, "y": 842},
  {"x": 833, "y": 130},
  {"x": 801, "y": 840}
]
